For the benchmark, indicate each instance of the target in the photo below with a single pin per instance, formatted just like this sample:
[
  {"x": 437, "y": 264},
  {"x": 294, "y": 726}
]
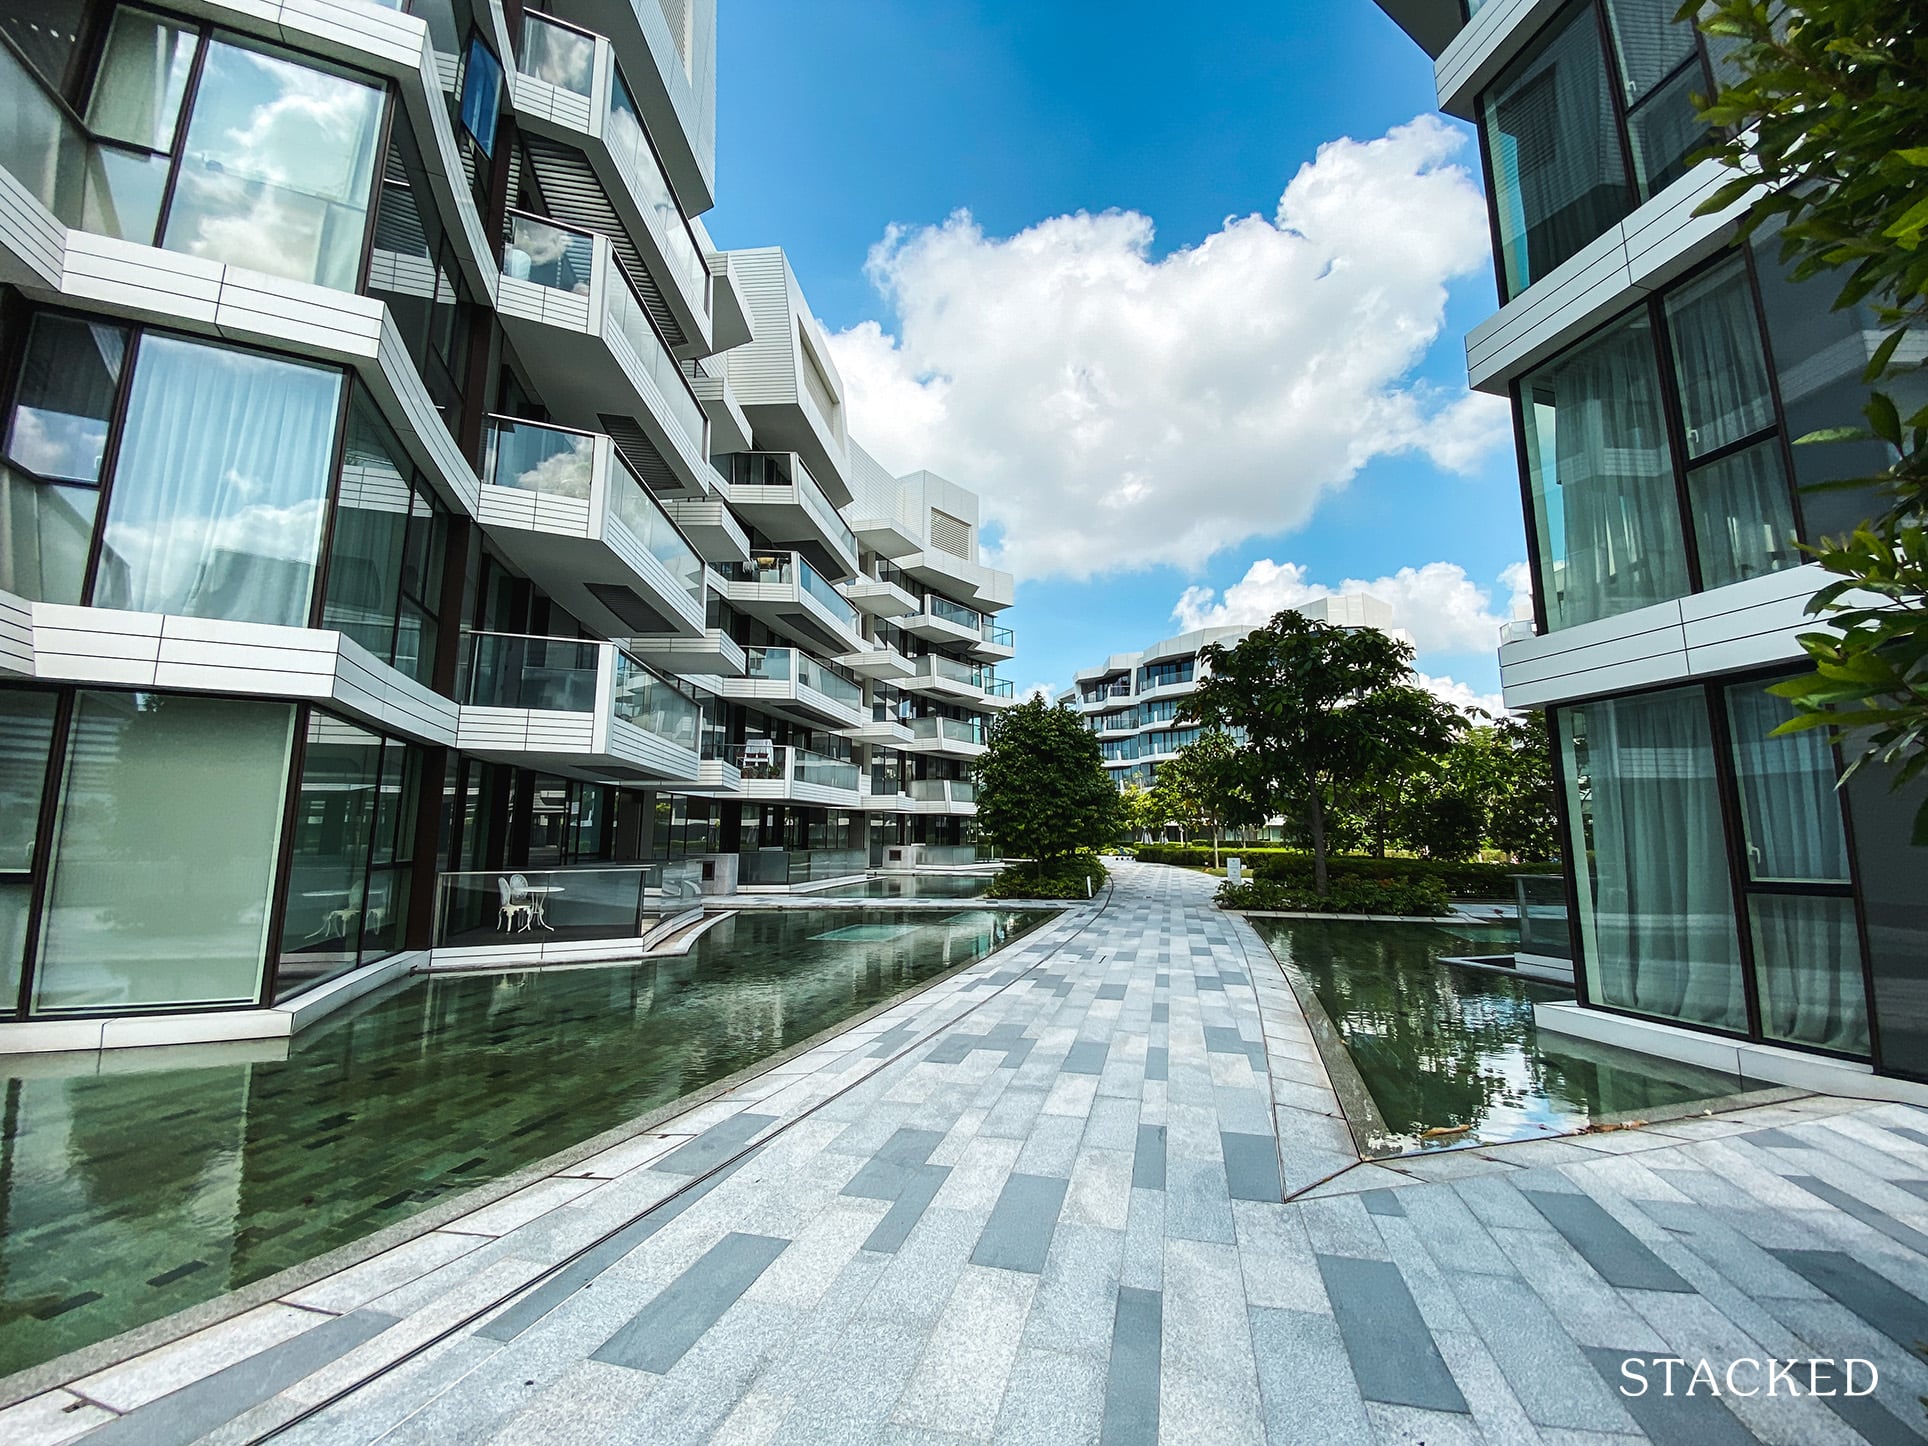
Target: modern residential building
[
  {"x": 414, "y": 533},
  {"x": 1132, "y": 701},
  {"x": 1730, "y": 905}
]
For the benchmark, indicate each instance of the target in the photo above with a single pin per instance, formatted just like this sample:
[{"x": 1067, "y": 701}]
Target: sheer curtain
[
  {"x": 1611, "y": 535},
  {"x": 1719, "y": 361},
  {"x": 217, "y": 500},
  {"x": 1657, "y": 915},
  {"x": 1807, "y": 969},
  {"x": 1790, "y": 814},
  {"x": 1743, "y": 515}
]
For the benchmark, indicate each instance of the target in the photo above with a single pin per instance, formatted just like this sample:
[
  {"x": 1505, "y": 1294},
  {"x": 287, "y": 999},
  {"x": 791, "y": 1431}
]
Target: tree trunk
[
  {"x": 1317, "y": 821},
  {"x": 1214, "y": 843}
]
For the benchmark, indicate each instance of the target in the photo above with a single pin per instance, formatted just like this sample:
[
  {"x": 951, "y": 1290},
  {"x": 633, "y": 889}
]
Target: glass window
[
  {"x": 481, "y": 94},
  {"x": 1667, "y": 132},
  {"x": 1605, "y": 515},
  {"x": 164, "y": 854},
  {"x": 371, "y": 531},
  {"x": 278, "y": 168},
  {"x": 327, "y": 883},
  {"x": 1656, "y": 907},
  {"x": 1659, "y": 64},
  {"x": 1553, "y": 138},
  {"x": 1718, "y": 360},
  {"x": 57, "y": 433},
  {"x": 26, "y": 735},
  {"x": 1807, "y": 969},
  {"x": 1743, "y": 515},
  {"x": 217, "y": 498},
  {"x": 143, "y": 75},
  {"x": 1790, "y": 813}
]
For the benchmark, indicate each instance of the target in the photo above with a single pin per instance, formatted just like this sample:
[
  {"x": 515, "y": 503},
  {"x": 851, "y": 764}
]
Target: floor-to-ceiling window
[
  {"x": 26, "y": 737},
  {"x": 163, "y": 853}
]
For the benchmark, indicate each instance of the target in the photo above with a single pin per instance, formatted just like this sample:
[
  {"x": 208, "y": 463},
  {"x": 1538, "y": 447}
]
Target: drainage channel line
[{"x": 695, "y": 1183}]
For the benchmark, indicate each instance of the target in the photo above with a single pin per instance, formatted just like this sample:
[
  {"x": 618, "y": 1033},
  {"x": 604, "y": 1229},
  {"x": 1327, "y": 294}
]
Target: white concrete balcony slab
[
  {"x": 705, "y": 521},
  {"x": 957, "y": 577},
  {"x": 568, "y": 86},
  {"x": 994, "y": 644},
  {"x": 717, "y": 776},
  {"x": 565, "y": 300},
  {"x": 782, "y": 590},
  {"x": 952, "y": 796},
  {"x": 784, "y": 377},
  {"x": 942, "y": 621},
  {"x": 795, "y": 775},
  {"x": 881, "y": 662},
  {"x": 878, "y": 598},
  {"x": 775, "y": 493},
  {"x": 971, "y": 683},
  {"x": 730, "y": 429},
  {"x": 565, "y": 508},
  {"x": 945, "y": 738},
  {"x": 580, "y": 708},
  {"x": 880, "y": 793},
  {"x": 879, "y": 732},
  {"x": 713, "y": 653},
  {"x": 794, "y": 685}
]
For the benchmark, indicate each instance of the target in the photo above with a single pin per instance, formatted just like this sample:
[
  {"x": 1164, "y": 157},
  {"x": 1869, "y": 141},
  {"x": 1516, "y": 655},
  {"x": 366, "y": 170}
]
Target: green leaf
[
  {"x": 1878, "y": 363},
  {"x": 1832, "y": 434},
  {"x": 1884, "y": 418},
  {"x": 1912, "y": 222}
]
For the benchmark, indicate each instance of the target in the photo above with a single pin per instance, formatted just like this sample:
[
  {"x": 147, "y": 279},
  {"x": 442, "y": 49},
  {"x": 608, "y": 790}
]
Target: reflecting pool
[
  {"x": 913, "y": 886},
  {"x": 151, "y": 1185},
  {"x": 1439, "y": 1046}
]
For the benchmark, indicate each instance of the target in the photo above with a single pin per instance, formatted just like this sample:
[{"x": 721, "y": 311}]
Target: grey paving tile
[
  {"x": 714, "y": 1144},
  {"x": 1251, "y": 1166},
  {"x": 1018, "y": 1234},
  {"x": 656, "y": 1338},
  {"x": 1668, "y": 1420},
  {"x": 1198, "y": 1205},
  {"x": 1381, "y": 1202},
  {"x": 1778, "y": 1139},
  {"x": 1087, "y": 1056},
  {"x": 1902, "y": 1317},
  {"x": 1609, "y": 1247},
  {"x": 1874, "y": 1219},
  {"x": 1547, "y": 1372},
  {"x": 1394, "y": 1358},
  {"x": 1158, "y": 1063},
  {"x": 1132, "y": 1376},
  {"x": 907, "y": 1208},
  {"x": 1148, "y": 1160},
  {"x": 1305, "y": 1380},
  {"x": 1867, "y": 1417},
  {"x": 194, "y": 1410}
]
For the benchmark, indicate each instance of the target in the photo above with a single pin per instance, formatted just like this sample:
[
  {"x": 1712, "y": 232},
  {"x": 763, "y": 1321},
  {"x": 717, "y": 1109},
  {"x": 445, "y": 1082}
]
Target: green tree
[
  {"x": 1826, "y": 124},
  {"x": 1142, "y": 811},
  {"x": 1203, "y": 784},
  {"x": 1042, "y": 791},
  {"x": 1521, "y": 820},
  {"x": 1323, "y": 710}
]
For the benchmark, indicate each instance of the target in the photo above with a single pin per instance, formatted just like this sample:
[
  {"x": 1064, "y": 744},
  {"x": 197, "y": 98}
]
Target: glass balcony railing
[
  {"x": 772, "y": 665},
  {"x": 939, "y": 790},
  {"x": 558, "y": 53},
  {"x": 563, "y": 258},
  {"x": 559, "y": 462},
  {"x": 955, "y": 730},
  {"x": 89, "y": 184},
  {"x": 950, "y": 612},
  {"x": 786, "y": 664},
  {"x": 996, "y": 636},
  {"x": 559, "y": 675},
  {"x": 800, "y": 765},
  {"x": 786, "y": 470},
  {"x": 521, "y": 906},
  {"x": 629, "y": 143},
  {"x": 787, "y": 567}
]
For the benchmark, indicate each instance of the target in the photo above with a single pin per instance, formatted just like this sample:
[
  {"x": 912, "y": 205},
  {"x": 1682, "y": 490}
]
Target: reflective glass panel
[
  {"x": 1718, "y": 359},
  {"x": 327, "y": 883},
  {"x": 278, "y": 169},
  {"x": 1807, "y": 969},
  {"x": 26, "y": 734},
  {"x": 65, "y": 397},
  {"x": 1790, "y": 813},
  {"x": 1605, "y": 516},
  {"x": 1743, "y": 515},
  {"x": 481, "y": 95},
  {"x": 143, "y": 75},
  {"x": 1656, "y": 908},
  {"x": 1667, "y": 132},
  {"x": 371, "y": 530},
  {"x": 1559, "y": 177},
  {"x": 1649, "y": 44},
  {"x": 218, "y": 494},
  {"x": 164, "y": 856}
]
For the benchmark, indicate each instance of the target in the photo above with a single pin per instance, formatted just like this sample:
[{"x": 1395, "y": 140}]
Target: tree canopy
[
  {"x": 1825, "y": 110},
  {"x": 1042, "y": 792},
  {"x": 1322, "y": 710}
]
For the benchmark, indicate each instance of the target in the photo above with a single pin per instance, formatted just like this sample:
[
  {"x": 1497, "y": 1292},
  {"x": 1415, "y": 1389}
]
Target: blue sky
[{"x": 838, "y": 119}]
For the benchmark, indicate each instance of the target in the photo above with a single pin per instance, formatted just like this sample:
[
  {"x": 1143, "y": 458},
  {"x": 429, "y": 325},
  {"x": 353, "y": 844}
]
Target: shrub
[
  {"x": 1348, "y": 895},
  {"x": 1062, "y": 878},
  {"x": 1291, "y": 866}
]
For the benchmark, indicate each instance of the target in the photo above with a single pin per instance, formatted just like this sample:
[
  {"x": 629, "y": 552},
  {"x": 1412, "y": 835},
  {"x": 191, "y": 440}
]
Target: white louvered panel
[
  {"x": 575, "y": 195},
  {"x": 950, "y": 534}
]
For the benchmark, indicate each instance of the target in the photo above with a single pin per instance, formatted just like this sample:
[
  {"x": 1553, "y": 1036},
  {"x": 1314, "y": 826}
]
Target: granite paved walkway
[{"x": 1045, "y": 1201}]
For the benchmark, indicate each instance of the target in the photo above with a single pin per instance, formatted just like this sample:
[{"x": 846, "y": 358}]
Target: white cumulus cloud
[
  {"x": 1438, "y": 605},
  {"x": 1118, "y": 411},
  {"x": 1463, "y": 696}
]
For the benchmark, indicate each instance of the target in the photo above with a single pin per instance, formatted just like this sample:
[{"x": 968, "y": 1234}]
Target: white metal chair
[
  {"x": 513, "y": 904},
  {"x": 519, "y": 886}
]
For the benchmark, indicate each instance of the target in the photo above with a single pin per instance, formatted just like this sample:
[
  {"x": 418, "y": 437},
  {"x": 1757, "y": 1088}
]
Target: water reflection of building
[{"x": 413, "y": 508}]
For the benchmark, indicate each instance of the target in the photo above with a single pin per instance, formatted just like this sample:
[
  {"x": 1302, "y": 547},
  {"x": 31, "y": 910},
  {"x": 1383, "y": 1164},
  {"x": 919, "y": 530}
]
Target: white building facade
[
  {"x": 1729, "y": 906},
  {"x": 400, "y": 494}
]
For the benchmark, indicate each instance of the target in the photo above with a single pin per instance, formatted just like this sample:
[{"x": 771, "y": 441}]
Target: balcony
[
  {"x": 581, "y": 708},
  {"x": 712, "y": 651},
  {"x": 566, "y": 301},
  {"x": 943, "y": 795},
  {"x": 880, "y": 661},
  {"x": 711, "y": 526},
  {"x": 969, "y": 682},
  {"x": 488, "y": 908},
  {"x": 880, "y": 730},
  {"x": 794, "y": 685},
  {"x": 784, "y": 591},
  {"x": 567, "y": 510},
  {"x": 795, "y": 775},
  {"x": 776, "y": 494},
  {"x": 880, "y": 598},
  {"x": 946, "y": 737},
  {"x": 994, "y": 644},
  {"x": 568, "y": 88},
  {"x": 943, "y": 621}
]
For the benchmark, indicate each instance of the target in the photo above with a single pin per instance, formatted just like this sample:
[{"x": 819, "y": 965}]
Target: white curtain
[
  {"x": 1657, "y": 915},
  {"x": 1807, "y": 968},
  {"x": 1791, "y": 815},
  {"x": 1718, "y": 358},
  {"x": 216, "y": 503},
  {"x": 1743, "y": 516},
  {"x": 1599, "y": 438}
]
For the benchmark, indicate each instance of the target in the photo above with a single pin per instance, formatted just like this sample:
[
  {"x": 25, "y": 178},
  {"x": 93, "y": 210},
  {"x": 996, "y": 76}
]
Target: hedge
[
  {"x": 1293, "y": 866},
  {"x": 1399, "y": 897},
  {"x": 1065, "y": 878}
]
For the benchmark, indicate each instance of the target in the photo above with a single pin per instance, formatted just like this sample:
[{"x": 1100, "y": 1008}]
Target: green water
[
  {"x": 913, "y": 886},
  {"x": 134, "y": 1184},
  {"x": 1440, "y": 1045}
]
